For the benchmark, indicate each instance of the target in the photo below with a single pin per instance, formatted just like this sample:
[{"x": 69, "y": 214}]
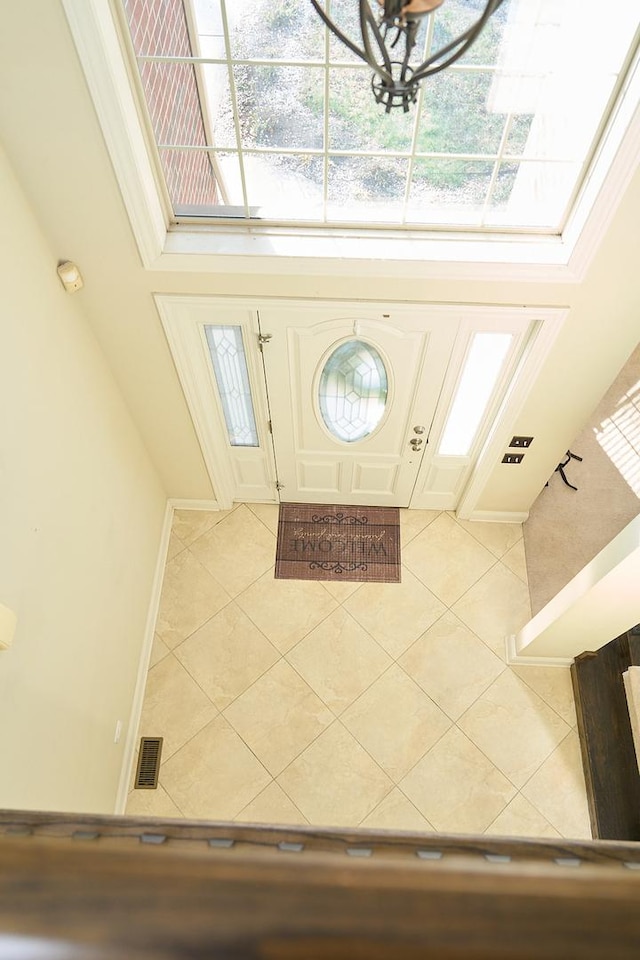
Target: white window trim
[{"x": 324, "y": 251}]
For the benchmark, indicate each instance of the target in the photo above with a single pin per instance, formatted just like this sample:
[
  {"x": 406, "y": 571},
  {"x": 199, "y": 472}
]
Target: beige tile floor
[{"x": 380, "y": 705}]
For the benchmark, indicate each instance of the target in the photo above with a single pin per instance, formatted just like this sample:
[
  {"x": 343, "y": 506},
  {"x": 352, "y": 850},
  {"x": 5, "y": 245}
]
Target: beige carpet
[{"x": 566, "y": 529}]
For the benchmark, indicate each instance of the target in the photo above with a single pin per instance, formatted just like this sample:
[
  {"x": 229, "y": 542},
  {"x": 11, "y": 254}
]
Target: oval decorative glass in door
[{"x": 353, "y": 391}]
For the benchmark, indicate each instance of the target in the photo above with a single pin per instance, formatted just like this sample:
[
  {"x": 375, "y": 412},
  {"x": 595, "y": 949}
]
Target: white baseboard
[
  {"x": 143, "y": 666},
  {"x": 515, "y": 660},
  {"x": 178, "y": 504},
  {"x": 498, "y": 516}
]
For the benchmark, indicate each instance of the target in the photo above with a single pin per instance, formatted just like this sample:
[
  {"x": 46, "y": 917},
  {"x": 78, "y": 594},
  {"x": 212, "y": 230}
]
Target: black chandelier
[{"x": 395, "y": 83}]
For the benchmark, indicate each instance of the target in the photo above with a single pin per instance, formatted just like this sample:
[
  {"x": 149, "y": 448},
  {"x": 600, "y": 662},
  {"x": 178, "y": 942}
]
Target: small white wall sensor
[{"x": 70, "y": 276}]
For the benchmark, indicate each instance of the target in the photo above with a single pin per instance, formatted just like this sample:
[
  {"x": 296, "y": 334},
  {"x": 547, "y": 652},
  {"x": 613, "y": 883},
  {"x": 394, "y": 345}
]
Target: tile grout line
[
  {"x": 359, "y": 625},
  {"x": 542, "y": 762},
  {"x": 215, "y": 523},
  {"x": 394, "y": 661},
  {"x": 475, "y": 582},
  {"x": 216, "y": 581},
  {"x": 449, "y": 610},
  {"x": 281, "y": 657},
  {"x": 216, "y": 527},
  {"x": 305, "y": 819},
  {"x": 503, "y": 555},
  {"x": 478, "y": 540},
  {"x": 558, "y": 745},
  {"x": 321, "y": 621},
  {"x": 237, "y": 697},
  {"x": 506, "y": 775},
  {"x": 544, "y": 700},
  {"x": 338, "y": 717},
  {"x": 368, "y": 687},
  {"x": 299, "y": 754},
  {"x": 348, "y": 732},
  {"x": 260, "y": 520},
  {"x": 411, "y": 804},
  {"x": 256, "y": 758},
  {"x": 520, "y": 794}
]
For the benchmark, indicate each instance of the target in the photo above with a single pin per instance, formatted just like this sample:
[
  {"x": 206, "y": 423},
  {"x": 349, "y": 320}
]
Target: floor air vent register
[{"x": 148, "y": 763}]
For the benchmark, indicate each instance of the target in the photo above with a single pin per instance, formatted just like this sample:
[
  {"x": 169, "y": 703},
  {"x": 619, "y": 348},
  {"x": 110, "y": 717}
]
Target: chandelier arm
[
  {"x": 338, "y": 33},
  {"x": 460, "y": 45},
  {"x": 432, "y": 65},
  {"x": 368, "y": 19},
  {"x": 409, "y": 45},
  {"x": 469, "y": 35},
  {"x": 421, "y": 73}
]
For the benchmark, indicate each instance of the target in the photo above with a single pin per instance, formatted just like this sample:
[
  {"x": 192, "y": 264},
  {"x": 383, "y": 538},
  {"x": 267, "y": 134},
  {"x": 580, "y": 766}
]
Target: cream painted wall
[
  {"x": 81, "y": 513},
  {"x": 45, "y": 108},
  {"x": 601, "y": 332},
  {"x": 52, "y": 138}
]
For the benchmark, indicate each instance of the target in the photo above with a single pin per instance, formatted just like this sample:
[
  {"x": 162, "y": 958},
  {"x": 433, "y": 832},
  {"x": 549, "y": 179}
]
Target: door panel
[
  {"x": 382, "y": 467},
  {"x": 370, "y": 477}
]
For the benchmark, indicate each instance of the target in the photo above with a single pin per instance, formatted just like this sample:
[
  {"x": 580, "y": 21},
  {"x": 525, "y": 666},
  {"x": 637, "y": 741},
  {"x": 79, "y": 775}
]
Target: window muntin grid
[
  {"x": 516, "y": 124},
  {"x": 232, "y": 378},
  {"x": 352, "y": 391}
]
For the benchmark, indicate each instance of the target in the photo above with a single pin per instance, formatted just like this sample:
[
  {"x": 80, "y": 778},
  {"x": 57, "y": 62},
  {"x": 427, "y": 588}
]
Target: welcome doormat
[{"x": 319, "y": 542}]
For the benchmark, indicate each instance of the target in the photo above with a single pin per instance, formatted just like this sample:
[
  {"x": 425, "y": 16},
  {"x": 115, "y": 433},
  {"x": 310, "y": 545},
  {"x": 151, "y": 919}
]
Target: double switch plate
[{"x": 517, "y": 442}]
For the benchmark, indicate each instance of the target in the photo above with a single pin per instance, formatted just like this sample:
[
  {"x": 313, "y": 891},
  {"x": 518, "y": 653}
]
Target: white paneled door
[{"x": 352, "y": 394}]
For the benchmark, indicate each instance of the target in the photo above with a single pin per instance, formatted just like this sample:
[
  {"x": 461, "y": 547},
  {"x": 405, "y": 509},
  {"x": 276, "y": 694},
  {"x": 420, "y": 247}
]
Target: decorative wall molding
[
  {"x": 135, "y": 713},
  {"x": 178, "y": 504},
  {"x": 98, "y": 45},
  {"x": 497, "y": 516},
  {"x": 613, "y": 167},
  {"x": 513, "y": 658}
]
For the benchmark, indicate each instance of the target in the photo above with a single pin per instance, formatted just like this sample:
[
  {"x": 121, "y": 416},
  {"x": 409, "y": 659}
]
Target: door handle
[
  {"x": 418, "y": 429},
  {"x": 416, "y": 443}
]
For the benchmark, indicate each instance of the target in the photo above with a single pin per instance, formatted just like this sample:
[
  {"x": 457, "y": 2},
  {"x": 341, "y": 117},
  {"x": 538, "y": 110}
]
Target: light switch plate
[
  {"x": 513, "y": 458},
  {"x": 521, "y": 441}
]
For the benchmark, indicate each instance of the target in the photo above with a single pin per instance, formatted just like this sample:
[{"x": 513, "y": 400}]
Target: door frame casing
[{"x": 180, "y": 313}]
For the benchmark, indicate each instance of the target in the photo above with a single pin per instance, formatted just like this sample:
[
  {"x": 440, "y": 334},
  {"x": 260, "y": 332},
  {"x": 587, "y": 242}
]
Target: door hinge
[
  {"x": 264, "y": 338},
  {"x": 279, "y": 485},
  {"x": 269, "y": 426}
]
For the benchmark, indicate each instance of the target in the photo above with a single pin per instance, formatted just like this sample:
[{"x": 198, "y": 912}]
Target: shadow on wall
[{"x": 567, "y": 528}]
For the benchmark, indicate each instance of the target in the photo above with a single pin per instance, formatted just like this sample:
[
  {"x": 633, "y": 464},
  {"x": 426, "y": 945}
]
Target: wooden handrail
[
  {"x": 328, "y": 840},
  {"x": 105, "y": 887}
]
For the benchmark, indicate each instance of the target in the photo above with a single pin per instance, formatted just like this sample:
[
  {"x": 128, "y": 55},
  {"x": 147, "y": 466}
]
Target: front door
[{"x": 352, "y": 396}]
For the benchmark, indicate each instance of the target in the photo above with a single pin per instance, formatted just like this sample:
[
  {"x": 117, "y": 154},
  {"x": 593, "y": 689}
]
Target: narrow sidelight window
[
  {"x": 232, "y": 377},
  {"x": 480, "y": 374}
]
